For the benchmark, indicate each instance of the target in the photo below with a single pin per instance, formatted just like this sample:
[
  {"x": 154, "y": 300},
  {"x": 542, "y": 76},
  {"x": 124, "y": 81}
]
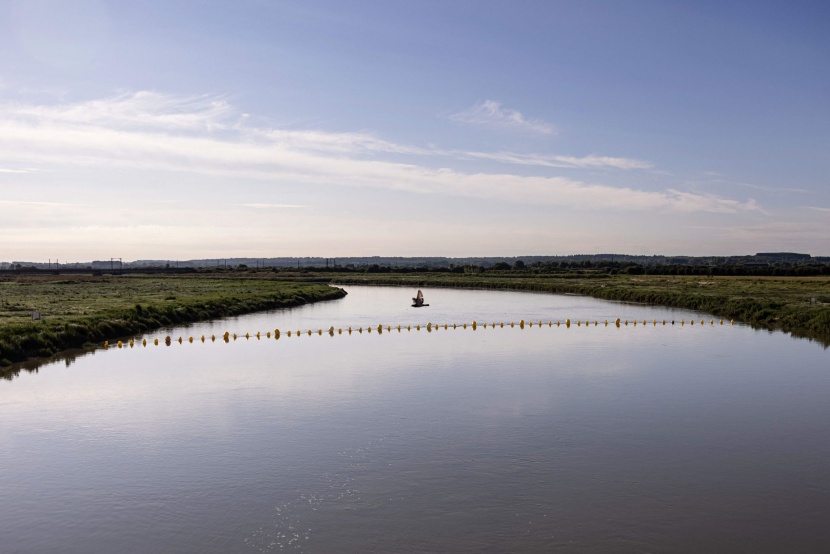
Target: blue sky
[{"x": 178, "y": 129}]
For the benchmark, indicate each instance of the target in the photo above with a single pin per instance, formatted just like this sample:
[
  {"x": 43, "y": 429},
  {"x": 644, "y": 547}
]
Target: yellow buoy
[
  {"x": 309, "y": 332},
  {"x": 617, "y": 321},
  {"x": 203, "y": 338},
  {"x": 465, "y": 325},
  {"x": 190, "y": 340},
  {"x": 120, "y": 345},
  {"x": 732, "y": 322},
  {"x": 156, "y": 342},
  {"x": 501, "y": 325},
  {"x": 664, "y": 322},
  {"x": 257, "y": 334},
  {"x": 721, "y": 322},
  {"x": 213, "y": 338},
  {"x": 180, "y": 340},
  {"x": 106, "y": 344},
  {"x": 567, "y": 323},
  {"x": 320, "y": 332}
]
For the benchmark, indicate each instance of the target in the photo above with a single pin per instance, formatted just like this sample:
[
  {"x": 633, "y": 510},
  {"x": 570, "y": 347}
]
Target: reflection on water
[{"x": 582, "y": 440}]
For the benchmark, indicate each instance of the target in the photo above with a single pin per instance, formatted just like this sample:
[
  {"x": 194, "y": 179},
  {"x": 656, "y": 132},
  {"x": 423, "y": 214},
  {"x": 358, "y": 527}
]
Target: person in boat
[{"x": 418, "y": 301}]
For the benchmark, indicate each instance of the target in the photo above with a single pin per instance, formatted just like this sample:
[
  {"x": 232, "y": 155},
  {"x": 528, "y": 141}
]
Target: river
[{"x": 588, "y": 438}]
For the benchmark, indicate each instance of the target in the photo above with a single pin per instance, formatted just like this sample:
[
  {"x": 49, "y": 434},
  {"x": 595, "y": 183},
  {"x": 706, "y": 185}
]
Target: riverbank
[
  {"x": 77, "y": 311},
  {"x": 796, "y": 305}
]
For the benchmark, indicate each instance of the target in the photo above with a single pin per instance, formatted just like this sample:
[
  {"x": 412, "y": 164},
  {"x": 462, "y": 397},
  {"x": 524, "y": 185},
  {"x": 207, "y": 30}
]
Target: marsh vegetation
[{"x": 78, "y": 310}]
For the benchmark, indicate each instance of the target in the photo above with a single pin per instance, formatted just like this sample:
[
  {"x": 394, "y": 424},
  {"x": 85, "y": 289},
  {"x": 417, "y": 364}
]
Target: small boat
[{"x": 418, "y": 301}]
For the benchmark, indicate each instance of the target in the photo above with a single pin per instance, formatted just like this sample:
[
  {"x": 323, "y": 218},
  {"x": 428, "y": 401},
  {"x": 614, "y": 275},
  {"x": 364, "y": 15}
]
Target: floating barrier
[{"x": 430, "y": 327}]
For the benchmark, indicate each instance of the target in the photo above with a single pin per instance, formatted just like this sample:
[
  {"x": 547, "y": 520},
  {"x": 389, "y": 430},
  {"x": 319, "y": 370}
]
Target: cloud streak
[
  {"x": 204, "y": 135},
  {"x": 562, "y": 162},
  {"x": 493, "y": 115}
]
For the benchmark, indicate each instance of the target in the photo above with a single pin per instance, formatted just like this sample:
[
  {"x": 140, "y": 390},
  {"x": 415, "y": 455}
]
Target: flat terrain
[
  {"x": 797, "y": 305},
  {"x": 79, "y": 310}
]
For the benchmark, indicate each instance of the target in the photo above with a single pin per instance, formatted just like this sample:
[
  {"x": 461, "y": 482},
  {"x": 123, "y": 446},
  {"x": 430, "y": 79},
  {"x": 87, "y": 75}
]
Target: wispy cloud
[
  {"x": 261, "y": 206},
  {"x": 147, "y": 110},
  {"x": 40, "y": 204},
  {"x": 206, "y": 135},
  {"x": 492, "y": 114},
  {"x": 12, "y": 170},
  {"x": 562, "y": 162},
  {"x": 818, "y": 209}
]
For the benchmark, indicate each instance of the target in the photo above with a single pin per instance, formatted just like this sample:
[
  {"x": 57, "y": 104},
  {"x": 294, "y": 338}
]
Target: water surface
[{"x": 581, "y": 439}]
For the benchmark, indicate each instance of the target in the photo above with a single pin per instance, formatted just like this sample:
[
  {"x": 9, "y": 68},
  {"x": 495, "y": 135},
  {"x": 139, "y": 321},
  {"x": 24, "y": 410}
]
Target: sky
[{"x": 211, "y": 129}]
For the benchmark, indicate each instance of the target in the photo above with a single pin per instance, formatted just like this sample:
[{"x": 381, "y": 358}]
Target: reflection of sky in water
[{"x": 649, "y": 435}]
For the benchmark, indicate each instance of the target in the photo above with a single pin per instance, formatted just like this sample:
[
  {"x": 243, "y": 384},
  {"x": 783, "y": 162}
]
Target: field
[
  {"x": 82, "y": 310},
  {"x": 797, "y": 305},
  {"x": 77, "y": 311}
]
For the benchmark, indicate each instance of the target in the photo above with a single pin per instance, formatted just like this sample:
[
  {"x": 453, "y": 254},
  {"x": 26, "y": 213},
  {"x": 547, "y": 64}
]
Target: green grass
[
  {"x": 81, "y": 310},
  {"x": 775, "y": 303}
]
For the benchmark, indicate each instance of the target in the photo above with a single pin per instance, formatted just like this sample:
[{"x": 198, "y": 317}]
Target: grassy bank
[
  {"x": 774, "y": 303},
  {"x": 80, "y": 310}
]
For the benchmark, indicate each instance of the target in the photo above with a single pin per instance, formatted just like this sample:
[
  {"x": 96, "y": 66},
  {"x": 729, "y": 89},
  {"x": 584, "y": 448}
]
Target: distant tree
[
  {"x": 501, "y": 266},
  {"x": 519, "y": 265}
]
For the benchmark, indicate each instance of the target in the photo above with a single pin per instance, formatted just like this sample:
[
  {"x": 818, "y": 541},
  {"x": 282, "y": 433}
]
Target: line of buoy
[{"x": 430, "y": 327}]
